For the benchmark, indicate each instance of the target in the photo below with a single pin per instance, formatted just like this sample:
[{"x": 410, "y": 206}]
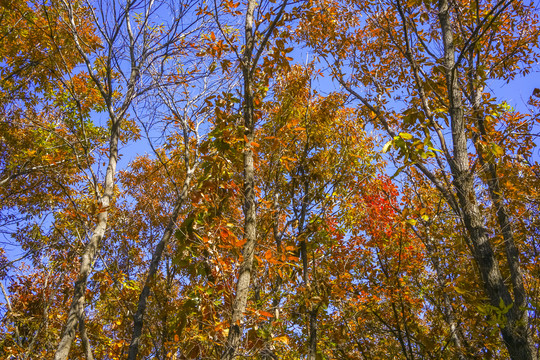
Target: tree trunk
[
  {"x": 250, "y": 215},
  {"x": 514, "y": 331},
  {"x": 138, "y": 318},
  {"x": 85, "y": 342},
  {"x": 76, "y": 310},
  {"x": 512, "y": 253}
]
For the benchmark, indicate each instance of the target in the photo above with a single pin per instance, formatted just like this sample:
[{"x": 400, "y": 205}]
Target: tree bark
[
  {"x": 514, "y": 331},
  {"x": 512, "y": 253},
  {"x": 250, "y": 215},
  {"x": 85, "y": 341},
  {"x": 248, "y": 62},
  {"x": 76, "y": 309}
]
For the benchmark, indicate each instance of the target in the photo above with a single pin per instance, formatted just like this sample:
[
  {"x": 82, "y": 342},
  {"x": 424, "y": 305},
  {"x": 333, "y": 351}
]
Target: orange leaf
[{"x": 266, "y": 313}]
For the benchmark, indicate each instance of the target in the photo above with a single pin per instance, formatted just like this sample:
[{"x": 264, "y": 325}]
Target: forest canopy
[{"x": 317, "y": 179}]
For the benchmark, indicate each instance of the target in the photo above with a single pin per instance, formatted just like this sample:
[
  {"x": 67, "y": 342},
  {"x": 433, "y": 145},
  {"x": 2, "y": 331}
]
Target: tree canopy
[{"x": 330, "y": 179}]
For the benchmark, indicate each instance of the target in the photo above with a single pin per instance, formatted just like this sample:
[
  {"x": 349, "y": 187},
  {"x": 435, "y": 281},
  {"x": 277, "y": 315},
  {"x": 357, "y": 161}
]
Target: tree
[
  {"x": 313, "y": 150},
  {"x": 190, "y": 114},
  {"x": 46, "y": 139},
  {"x": 248, "y": 63},
  {"x": 143, "y": 49},
  {"x": 446, "y": 88},
  {"x": 210, "y": 197}
]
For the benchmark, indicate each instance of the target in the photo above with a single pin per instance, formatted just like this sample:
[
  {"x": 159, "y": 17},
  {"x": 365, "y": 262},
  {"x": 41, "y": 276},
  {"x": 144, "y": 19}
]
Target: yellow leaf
[
  {"x": 387, "y": 146},
  {"x": 405, "y": 136},
  {"x": 497, "y": 150},
  {"x": 284, "y": 339},
  {"x": 411, "y": 222}
]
